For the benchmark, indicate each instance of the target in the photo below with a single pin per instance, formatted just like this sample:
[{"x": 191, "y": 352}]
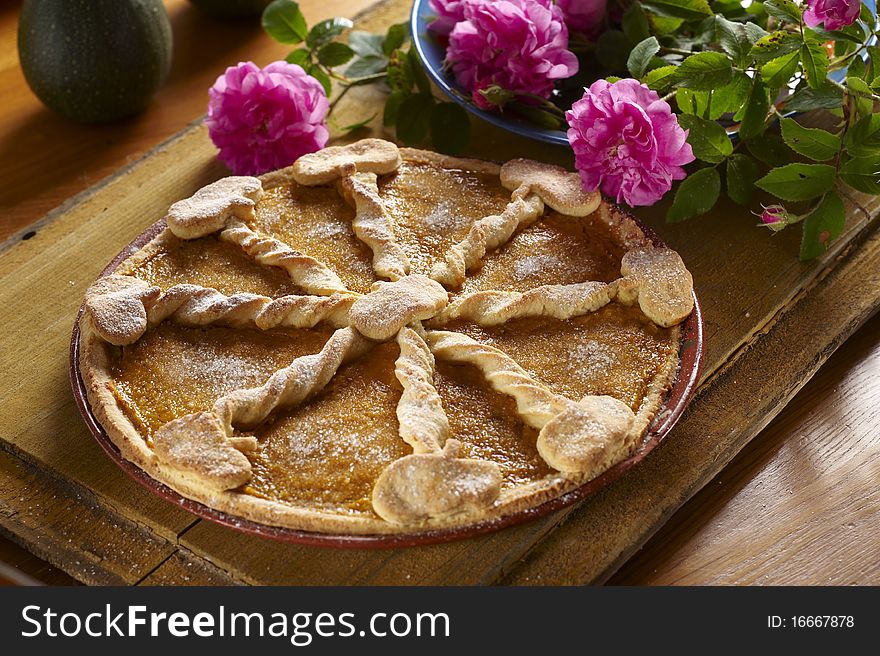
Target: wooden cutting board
[{"x": 770, "y": 323}]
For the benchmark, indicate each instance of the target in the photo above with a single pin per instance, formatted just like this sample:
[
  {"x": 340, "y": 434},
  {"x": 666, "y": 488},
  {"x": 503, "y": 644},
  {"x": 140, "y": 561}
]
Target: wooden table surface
[{"x": 800, "y": 503}]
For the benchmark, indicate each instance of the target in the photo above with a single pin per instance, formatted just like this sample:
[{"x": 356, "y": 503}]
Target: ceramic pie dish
[{"x": 381, "y": 346}]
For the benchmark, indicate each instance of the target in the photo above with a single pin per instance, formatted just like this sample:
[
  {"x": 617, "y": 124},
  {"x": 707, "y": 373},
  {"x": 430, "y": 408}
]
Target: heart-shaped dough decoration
[
  {"x": 197, "y": 446},
  {"x": 390, "y": 306},
  {"x": 559, "y": 189},
  {"x": 661, "y": 283},
  {"x": 425, "y": 486},
  {"x": 588, "y": 437},
  {"x": 328, "y": 164},
  {"x": 115, "y": 307},
  {"x": 210, "y": 208}
]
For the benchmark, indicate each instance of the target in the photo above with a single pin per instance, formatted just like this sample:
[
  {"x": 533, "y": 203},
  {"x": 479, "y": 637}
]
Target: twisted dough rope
[
  {"x": 536, "y": 404},
  {"x": 290, "y": 386},
  {"x": 491, "y": 308},
  {"x": 487, "y": 234},
  {"x": 372, "y": 226},
  {"x": 313, "y": 276},
  {"x": 224, "y": 206},
  {"x": 117, "y": 303},
  {"x": 423, "y": 422},
  {"x": 434, "y": 481}
]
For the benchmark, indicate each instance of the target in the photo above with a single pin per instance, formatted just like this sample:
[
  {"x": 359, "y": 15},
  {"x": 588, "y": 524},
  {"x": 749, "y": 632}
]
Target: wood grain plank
[
  {"x": 606, "y": 530},
  {"x": 803, "y": 495},
  {"x": 68, "y": 527},
  {"x": 183, "y": 568}
]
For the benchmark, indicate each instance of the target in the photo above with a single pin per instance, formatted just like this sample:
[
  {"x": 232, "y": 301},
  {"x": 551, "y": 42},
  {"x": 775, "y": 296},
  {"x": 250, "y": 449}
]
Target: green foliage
[
  {"x": 697, "y": 194},
  {"x": 798, "y": 181},
  {"x": 821, "y": 226},
  {"x": 819, "y": 145},
  {"x": 708, "y": 139},
  {"x": 742, "y": 172},
  {"x": 284, "y": 22}
]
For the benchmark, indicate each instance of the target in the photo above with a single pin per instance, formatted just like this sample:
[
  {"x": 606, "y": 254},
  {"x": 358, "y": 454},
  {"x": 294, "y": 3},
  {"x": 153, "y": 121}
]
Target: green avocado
[
  {"x": 231, "y": 8},
  {"x": 94, "y": 60}
]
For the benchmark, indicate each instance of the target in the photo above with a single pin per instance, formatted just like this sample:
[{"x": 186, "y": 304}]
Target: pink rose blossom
[
  {"x": 263, "y": 120},
  {"x": 627, "y": 141},
  {"x": 449, "y": 12},
  {"x": 519, "y": 45},
  {"x": 584, "y": 16},
  {"x": 834, "y": 14}
]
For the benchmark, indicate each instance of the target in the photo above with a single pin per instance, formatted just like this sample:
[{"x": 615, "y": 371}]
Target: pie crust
[{"x": 379, "y": 340}]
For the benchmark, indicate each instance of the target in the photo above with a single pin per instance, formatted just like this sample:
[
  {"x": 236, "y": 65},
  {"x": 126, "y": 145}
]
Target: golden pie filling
[{"x": 325, "y": 453}]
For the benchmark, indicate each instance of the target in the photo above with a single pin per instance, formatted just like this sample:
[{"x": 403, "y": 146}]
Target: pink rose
[
  {"x": 449, "y": 12},
  {"x": 263, "y": 120},
  {"x": 584, "y": 16},
  {"x": 519, "y": 45},
  {"x": 627, "y": 141},
  {"x": 835, "y": 14}
]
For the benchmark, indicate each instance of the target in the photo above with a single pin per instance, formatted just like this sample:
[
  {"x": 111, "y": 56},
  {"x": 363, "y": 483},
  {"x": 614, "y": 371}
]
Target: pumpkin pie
[{"x": 381, "y": 340}]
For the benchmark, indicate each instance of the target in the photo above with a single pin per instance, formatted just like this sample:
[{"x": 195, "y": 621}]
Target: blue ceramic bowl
[{"x": 432, "y": 53}]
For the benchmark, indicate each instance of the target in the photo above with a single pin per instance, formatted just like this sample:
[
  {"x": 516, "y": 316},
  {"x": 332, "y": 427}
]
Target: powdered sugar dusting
[{"x": 534, "y": 265}]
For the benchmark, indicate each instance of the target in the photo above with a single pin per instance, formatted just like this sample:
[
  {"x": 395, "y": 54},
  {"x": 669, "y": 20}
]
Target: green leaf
[
  {"x": 852, "y": 33},
  {"x": 863, "y": 138},
  {"x": 707, "y": 138},
  {"x": 692, "y": 102},
  {"x": 704, "y": 71},
  {"x": 866, "y": 16},
  {"x": 730, "y": 98},
  {"x": 422, "y": 82},
  {"x": 814, "y": 59},
  {"x": 394, "y": 38},
  {"x": 300, "y": 57},
  {"x": 697, "y": 194},
  {"x": 414, "y": 119},
  {"x": 822, "y": 226},
  {"x": 661, "y": 25},
  {"x": 284, "y": 22},
  {"x": 862, "y": 173},
  {"x": 366, "y": 44},
  {"x": 335, "y": 54},
  {"x": 819, "y": 145},
  {"x": 775, "y": 45},
  {"x": 318, "y": 73},
  {"x": 770, "y": 149},
  {"x": 861, "y": 95},
  {"x": 660, "y": 78},
  {"x": 450, "y": 128},
  {"x": 742, "y": 171},
  {"x": 358, "y": 125},
  {"x": 785, "y": 10},
  {"x": 327, "y": 30},
  {"x": 612, "y": 50},
  {"x": 734, "y": 39},
  {"x": 364, "y": 66},
  {"x": 757, "y": 106},
  {"x": 826, "y": 97},
  {"x": 777, "y": 72},
  {"x": 686, "y": 9},
  {"x": 392, "y": 105},
  {"x": 798, "y": 181},
  {"x": 635, "y": 23},
  {"x": 641, "y": 55}
]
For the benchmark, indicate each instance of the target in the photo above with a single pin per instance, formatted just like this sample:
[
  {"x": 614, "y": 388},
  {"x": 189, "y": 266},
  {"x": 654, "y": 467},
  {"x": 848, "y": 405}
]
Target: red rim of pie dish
[{"x": 677, "y": 399}]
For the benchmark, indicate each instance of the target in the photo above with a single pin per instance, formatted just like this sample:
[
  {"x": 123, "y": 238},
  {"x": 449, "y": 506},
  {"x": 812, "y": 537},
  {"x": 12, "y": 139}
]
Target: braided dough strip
[
  {"x": 371, "y": 225},
  {"x": 306, "y": 272},
  {"x": 487, "y": 234},
  {"x": 121, "y": 308},
  {"x": 536, "y": 404},
  {"x": 423, "y": 422},
  {"x": 192, "y": 305},
  {"x": 290, "y": 386},
  {"x": 491, "y": 308}
]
